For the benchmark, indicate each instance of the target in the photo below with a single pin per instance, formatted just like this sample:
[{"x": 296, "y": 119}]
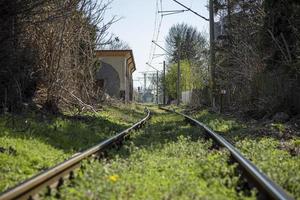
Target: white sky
[{"x": 137, "y": 26}]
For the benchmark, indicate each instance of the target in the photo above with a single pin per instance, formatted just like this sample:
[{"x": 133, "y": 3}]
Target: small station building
[{"x": 114, "y": 75}]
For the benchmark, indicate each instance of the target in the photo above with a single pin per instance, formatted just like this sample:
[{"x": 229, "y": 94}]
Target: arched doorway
[{"x": 109, "y": 79}]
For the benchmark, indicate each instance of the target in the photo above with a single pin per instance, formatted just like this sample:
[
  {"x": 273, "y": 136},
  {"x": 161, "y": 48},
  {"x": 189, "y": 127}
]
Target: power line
[
  {"x": 155, "y": 56},
  {"x": 191, "y": 10},
  {"x": 158, "y": 25},
  {"x": 154, "y": 30},
  {"x": 163, "y": 13},
  {"x": 157, "y": 29},
  {"x": 157, "y": 36},
  {"x": 171, "y": 12},
  {"x": 161, "y": 47}
]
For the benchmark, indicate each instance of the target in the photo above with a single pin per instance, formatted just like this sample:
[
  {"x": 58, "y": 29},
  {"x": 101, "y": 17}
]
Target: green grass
[
  {"x": 215, "y": 122},
  {"x": 278, "y": 164},
  {"x": 279, "y": 127},
  {"x": 166, "y": 160},
  {"x": 264, "y": 145},
  {"x": 32, "y": 142}
]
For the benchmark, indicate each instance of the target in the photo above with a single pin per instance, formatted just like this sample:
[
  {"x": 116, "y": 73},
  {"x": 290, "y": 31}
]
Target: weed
[
  {"x": 263, "y": 150},
  {"x": 34, "y": 142},
  {"x": 166, "y": 160}
]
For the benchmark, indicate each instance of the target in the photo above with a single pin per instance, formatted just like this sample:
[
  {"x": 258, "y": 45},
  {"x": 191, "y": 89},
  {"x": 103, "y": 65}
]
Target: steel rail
[
  {"x": 266, "y": 187},
  {"x": 31, "y": 187}
]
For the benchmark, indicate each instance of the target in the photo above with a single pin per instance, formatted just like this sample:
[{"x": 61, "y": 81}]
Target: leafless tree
[{"x": 53, "y": 44}]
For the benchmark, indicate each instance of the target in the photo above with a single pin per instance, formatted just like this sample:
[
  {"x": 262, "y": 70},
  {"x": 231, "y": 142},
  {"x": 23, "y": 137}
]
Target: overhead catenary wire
[
  {"x": 157, "y": 36},
  {"x": 154, "y": 29},
  {"x": 160, "y": 13},
  {"x": 191, "y": 10},
  {"x": 157, "y": 29},
  {"x": 172, "y": 12}
]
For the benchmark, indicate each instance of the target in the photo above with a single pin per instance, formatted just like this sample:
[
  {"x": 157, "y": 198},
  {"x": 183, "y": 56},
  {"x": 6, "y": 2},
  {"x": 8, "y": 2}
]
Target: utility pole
[
  {"x": 212, "y": 58},
  {"x": 145, "y": 81},
  {"x": 212, "y": 52},
  {"x": 157, "y": 80},
  {"x": 178, "y": 77},
  {"x": 157, "y": 87},
  {"x": 164, "y": 83},
  {"x": 178, "y": 82}
]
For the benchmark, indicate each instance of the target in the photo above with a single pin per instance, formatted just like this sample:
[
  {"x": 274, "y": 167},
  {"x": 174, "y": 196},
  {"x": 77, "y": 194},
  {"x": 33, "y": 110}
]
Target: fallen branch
[{"x": 79, "y": 100}]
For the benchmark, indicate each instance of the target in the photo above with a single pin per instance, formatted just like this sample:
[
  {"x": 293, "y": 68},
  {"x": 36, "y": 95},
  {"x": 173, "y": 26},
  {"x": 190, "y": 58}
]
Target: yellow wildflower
[{"x": 113, "y": 178}]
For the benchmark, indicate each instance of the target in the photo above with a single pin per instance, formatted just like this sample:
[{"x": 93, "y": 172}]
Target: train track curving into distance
[{"x": 55, "y": 176}]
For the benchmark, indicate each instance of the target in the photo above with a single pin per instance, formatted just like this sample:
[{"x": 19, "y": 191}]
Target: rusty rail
[
  {"x": 55, "y": 175},
  {"x": 266, "y": 187}
]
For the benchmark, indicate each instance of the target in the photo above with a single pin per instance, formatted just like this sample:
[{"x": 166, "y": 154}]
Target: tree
[
  {"x": 258, "y": 54},
  {"x": 192, "y": 47},
  {"x": 186, "y": 41},
  {"x": 47, "y": 51},
  {"x": 115, "y": 43},
  {"x": 189, "y": 80}
]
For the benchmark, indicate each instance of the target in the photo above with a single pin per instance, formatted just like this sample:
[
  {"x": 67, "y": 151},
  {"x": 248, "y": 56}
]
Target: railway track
[
  {"x": 55, "y": 176},
  {"x": 266, "y": 187}
]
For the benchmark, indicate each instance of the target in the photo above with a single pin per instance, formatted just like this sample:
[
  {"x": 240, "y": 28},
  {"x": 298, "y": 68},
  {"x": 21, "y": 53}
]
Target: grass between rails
[
  {"x": 166, "y": 160},
  {"x": 269, "y": 146},
  {"x": 32, "y": 142}
]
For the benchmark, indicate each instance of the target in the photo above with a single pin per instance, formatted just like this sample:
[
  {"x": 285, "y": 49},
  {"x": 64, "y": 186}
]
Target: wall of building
[
  {"x": 125, "y": 78},
  {"x": 119, "y": 64},
  {"x": 108, "y": 79}
]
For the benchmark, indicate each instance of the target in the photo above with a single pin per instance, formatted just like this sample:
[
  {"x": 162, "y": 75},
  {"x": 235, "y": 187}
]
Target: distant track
[
  {"x": 55, "y": 176},
  {"x": 266, "y": 187}
]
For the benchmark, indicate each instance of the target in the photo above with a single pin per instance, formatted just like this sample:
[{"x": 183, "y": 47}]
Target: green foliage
[
  {"x": 171, "y": 78},
  {"x": 23, "y": 157},
  {"x": 190, "y": 79},
  {"x": 258, "y": 55},
  {"x": 265, "y": 152},
  {"x": 34, "y": 142},
  {"x": 167, "y": 160},
  {"x": 296, "y": 143},
  {"x": 278, "y": 126},
  {"x": 218, "y": 124},
  {"x": 185, "y": 41},
  {"x": 279, "y": 165}
]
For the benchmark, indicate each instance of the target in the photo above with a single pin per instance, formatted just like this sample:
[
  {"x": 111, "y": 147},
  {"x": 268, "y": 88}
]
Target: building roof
[{"x": 128, "y": 53}]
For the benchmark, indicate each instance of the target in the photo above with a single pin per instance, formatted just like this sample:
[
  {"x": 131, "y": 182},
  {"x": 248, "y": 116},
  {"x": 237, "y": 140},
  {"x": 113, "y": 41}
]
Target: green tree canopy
[{"x": 189, "y": 79}]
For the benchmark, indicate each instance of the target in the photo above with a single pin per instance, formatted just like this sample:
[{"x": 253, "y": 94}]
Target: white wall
[
  {"x": 119, "y": 64},
  {"x": 186, "y": 97}
]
